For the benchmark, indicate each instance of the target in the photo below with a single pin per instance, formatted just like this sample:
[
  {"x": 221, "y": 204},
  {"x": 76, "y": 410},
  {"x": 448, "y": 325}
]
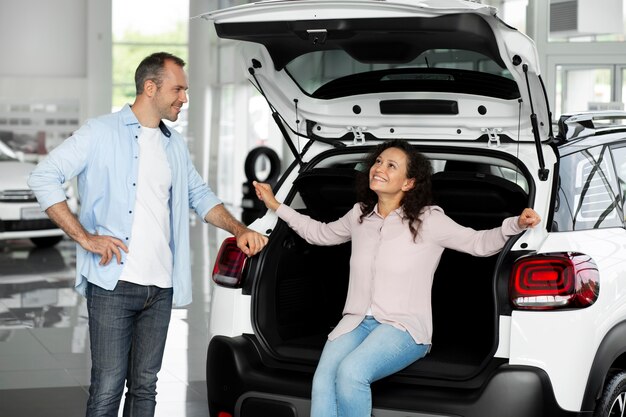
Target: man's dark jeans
[{"x": 127, "y": 330}]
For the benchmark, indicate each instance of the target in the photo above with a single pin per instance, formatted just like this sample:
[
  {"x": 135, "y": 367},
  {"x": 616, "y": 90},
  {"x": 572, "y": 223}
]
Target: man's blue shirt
[{"x": 104, "y": 155}]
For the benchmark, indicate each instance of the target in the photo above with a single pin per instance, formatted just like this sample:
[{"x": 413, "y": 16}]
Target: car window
[
  {"x": 335, "y": 73},
  {"x": 589, "y": 196},
  {"x": 619, "y": 158}
]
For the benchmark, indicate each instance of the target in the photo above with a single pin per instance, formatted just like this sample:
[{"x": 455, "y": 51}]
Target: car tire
[
  {"x": 46, "y": 242},
  {"x": 613, "y": 400},
  {"x": 251, "y": 160}
]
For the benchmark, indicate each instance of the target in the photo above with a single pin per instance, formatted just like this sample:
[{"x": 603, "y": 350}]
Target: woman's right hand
[{"x": 266, "y": 195}]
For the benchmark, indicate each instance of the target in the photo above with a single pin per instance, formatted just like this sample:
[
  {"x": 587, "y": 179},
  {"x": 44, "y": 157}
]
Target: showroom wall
[
  {"x": 55, "y": 69},
  {"x": 56, "y": 49}
]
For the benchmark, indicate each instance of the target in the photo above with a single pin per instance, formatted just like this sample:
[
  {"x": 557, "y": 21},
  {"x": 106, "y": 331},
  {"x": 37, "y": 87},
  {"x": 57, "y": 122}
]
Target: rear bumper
[{"x": 238, "y": 382}]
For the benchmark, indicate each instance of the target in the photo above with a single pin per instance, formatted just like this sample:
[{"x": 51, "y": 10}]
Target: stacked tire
[{"x": 252, "y": 207}]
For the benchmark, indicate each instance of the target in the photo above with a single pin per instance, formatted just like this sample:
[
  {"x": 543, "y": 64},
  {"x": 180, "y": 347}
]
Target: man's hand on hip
[{"x": 105, "y": 246}]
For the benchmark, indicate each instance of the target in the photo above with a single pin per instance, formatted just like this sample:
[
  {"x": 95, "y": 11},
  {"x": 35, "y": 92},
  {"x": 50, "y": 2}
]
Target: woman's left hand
[{"x": 528, "y": 218}]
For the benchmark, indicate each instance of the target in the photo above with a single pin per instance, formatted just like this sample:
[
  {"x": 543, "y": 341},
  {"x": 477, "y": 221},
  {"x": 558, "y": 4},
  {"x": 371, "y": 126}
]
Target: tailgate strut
[
  {"x": 543, "y": 172},
  {"x": 280, "y": 122},
  {"x": 281, "y": 127},
  {"x": 275, "y": 115}
]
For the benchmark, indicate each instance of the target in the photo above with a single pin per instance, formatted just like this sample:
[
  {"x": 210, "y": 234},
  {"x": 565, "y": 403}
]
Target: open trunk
[{"x": 300, "y": 296}]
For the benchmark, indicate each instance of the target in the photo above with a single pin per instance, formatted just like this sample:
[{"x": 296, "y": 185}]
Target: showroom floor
[{"x": 44, "y": 346}]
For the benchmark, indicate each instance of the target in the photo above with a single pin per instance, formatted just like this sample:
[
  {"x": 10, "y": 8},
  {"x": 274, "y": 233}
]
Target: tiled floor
[{"x": 44, "y": 346}]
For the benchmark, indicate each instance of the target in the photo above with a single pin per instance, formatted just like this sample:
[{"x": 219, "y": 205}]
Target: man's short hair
[{"x": 151, "y": 68}]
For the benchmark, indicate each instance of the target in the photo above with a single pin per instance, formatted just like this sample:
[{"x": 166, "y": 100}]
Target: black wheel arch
[{"x": 611, "y": 354}]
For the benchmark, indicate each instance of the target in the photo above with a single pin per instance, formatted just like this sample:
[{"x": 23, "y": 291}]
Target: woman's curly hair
[{"x": 414, "y": 200}]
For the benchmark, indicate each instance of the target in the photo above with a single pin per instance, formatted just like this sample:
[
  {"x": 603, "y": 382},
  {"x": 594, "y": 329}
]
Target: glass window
[
  {"x": 142, "y": 27},
  {"x": 583, "y": 88},
  {"x": 619, "y": 156},
  {"x": 623, "y": 97},
  {"x": 588, "y": 194},
  {"x": 334, "y": 73},
  {"x": 239, "y": 132},
  {"x": 228, "y": 190}
]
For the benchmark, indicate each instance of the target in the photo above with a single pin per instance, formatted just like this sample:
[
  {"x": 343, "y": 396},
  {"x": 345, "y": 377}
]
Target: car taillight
[
  {"x": 555, "y": 280},
  {"x": 229, "y": 264}
]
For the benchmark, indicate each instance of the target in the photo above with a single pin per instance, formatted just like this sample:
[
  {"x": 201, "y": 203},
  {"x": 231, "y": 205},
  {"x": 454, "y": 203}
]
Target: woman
[{"x": 397, "y": 241}]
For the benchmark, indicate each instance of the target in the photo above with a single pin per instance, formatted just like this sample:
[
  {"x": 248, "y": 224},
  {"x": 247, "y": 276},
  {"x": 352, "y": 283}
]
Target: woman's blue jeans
[
  {"x": 127, "y": 330},
  {"x": 351, "y": 362}
]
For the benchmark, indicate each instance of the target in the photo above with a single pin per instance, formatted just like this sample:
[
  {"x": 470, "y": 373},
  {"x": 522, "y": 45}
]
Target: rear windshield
[{"x": 334, "y": 73}]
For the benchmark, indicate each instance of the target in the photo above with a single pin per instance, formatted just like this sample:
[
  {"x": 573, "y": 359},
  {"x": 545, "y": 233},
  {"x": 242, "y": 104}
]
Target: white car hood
[
  {"x": 14, "y": 175},
  {"x": 265, "y": 51}
]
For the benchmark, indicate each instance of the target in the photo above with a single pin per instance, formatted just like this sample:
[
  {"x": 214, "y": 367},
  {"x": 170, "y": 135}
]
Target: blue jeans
[
  {"x": 127, "y": 330},
  {"x": 351, "y": 362}
]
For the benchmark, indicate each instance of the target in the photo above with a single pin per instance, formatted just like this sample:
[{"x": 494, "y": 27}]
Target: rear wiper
[{"x": 543, "y": 171}]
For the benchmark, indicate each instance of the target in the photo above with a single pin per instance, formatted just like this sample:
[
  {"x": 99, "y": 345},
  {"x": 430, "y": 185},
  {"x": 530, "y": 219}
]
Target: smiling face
[
  {"x": 387, "y": 177},
  {"x": 172, "y": 94}
]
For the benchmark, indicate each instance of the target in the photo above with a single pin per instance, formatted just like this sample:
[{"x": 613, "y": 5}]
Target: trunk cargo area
[{"x": 301, "y": 293}]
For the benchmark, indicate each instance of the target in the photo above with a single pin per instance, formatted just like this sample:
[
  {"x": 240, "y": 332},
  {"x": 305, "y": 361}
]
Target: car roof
[{"x": 575, "y": 126}]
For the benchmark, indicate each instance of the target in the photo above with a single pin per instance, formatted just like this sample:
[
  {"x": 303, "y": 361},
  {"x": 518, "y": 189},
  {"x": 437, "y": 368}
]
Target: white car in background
[{"x": 21, "y": 216}]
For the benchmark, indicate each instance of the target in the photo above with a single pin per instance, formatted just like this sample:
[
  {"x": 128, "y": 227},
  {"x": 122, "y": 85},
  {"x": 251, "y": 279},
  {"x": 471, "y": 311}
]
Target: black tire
[
  {"x": 46, "y": 242},
  {"x": 613, "y": 400},
  {"x": 251, "y": 160}
]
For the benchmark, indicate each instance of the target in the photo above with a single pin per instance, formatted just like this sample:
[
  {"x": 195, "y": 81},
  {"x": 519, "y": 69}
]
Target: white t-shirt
[{"x": 149, "y": 260}]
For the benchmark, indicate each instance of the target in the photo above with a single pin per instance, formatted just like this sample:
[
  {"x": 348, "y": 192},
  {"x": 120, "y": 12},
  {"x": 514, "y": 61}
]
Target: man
[{"x": 136, "y": 183}]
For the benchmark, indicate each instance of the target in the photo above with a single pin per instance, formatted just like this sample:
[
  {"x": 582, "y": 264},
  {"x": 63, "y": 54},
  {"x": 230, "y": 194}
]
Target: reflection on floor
[{"x": 44, "y": 344}]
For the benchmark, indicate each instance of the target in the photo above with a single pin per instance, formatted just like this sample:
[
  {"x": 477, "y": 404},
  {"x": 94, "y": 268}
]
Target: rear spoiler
[{"x": 589, "y": 123}]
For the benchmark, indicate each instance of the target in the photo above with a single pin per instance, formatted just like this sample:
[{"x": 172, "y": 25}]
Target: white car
[
  {"x": 538, "y": 330},
  {"x": 20, "y": 214}
]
